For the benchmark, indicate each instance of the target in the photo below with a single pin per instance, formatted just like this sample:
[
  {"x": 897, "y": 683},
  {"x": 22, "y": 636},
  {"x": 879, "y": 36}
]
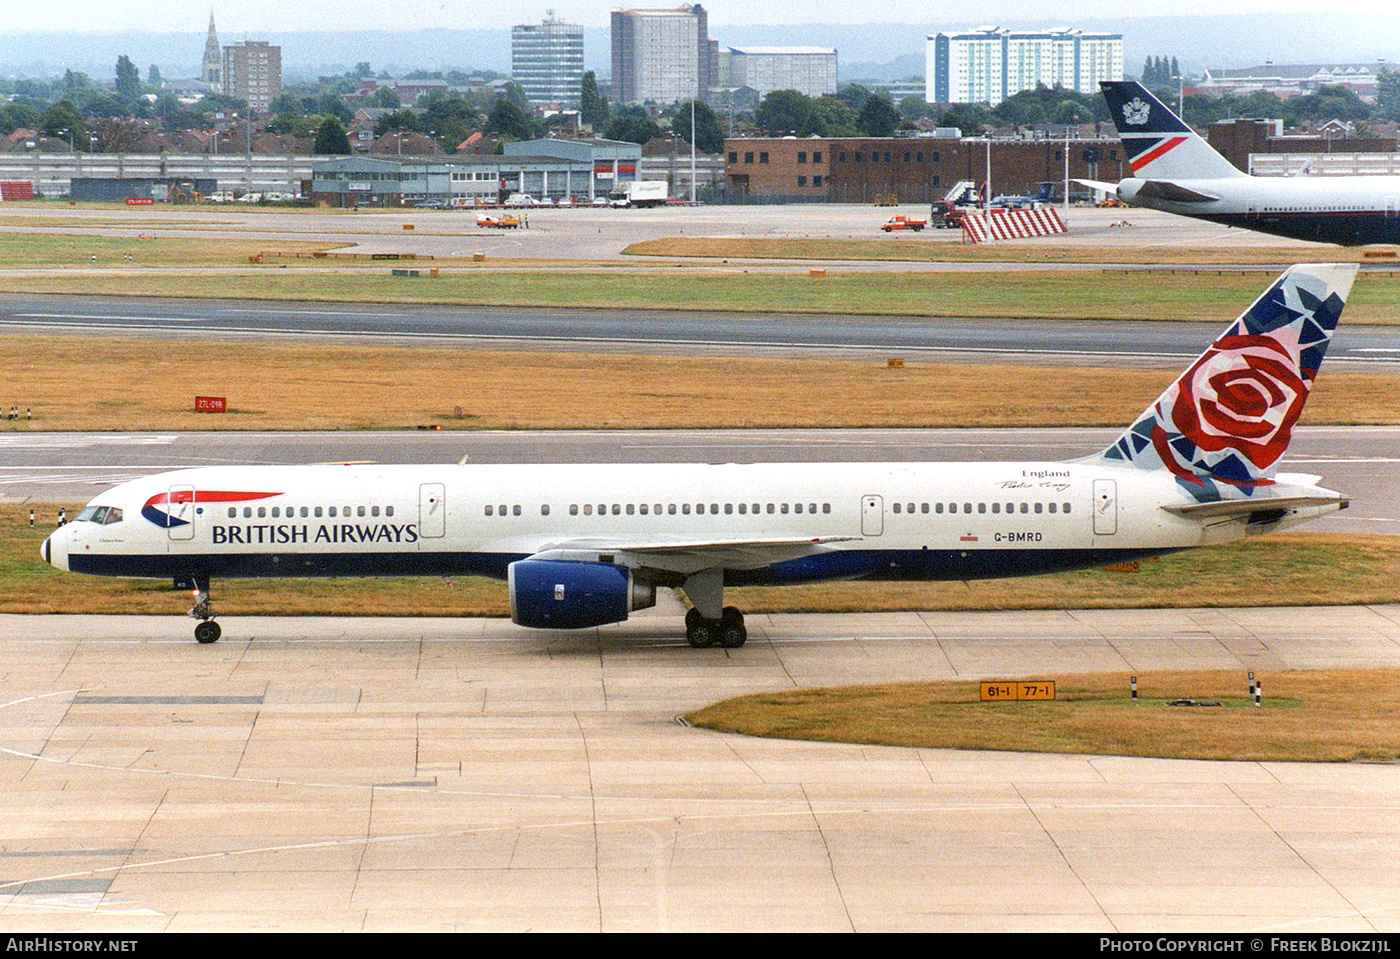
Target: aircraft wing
[
  {"x": 685, "y": 557},
  {"x": 1175, "y": 192}
]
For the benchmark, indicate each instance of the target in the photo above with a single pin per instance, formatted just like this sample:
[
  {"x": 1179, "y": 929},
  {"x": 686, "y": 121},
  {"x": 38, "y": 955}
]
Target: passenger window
[
  {"x": 896, "y": 507},
  {"x": 631, "y": 509},
  {"x": 248, "y": 512},
  {"x": 544, "y": 509},
  {"x": 232, "y": 512},
  {"x": 587, "y": 509},
  {"x": 374, "y": 511},
  {"x": 728, "y": 509},
  {"x": 331, "y": 511},
  {"x": 783, "y": 508},
  {"x": 305, "y": 512},
  {"x": 685, "y": 509},
  {"x": 938, "y": 507},
  {"x": 573, "y": 509},
  {"x": 743, "y": 509},
  {"x": 714, "y": 509},
  {"x": 981, "y": 507},
  {"x": 489, "y": 511},
  {"x": 617, "y": 509},
  {"x": 1066, "y": 507},
  {"x": 670, "y": 509},
  {"x": 1052, "y": 507},
  {"x": 515, "y": 510},
  {"x": 360, "y": 511},
  {"x": 262, "y": 512},
  {"x": 1025, "y": 507},
  {"x": 317, "y": 511},
  {"x": 1038, "y": 507},
  {"x": 388, "y": 511},
  {"x": 996, "y": 507},
  {"x": 276, "y": 512}
]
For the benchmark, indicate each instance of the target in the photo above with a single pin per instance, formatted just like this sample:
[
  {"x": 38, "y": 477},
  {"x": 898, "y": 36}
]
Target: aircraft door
[
  {"x": 872, "y": 515},
  {"x": 179, "y": 510},
  {"x": 432, "y": 511},
  {"x": 1105, "y": 507}
]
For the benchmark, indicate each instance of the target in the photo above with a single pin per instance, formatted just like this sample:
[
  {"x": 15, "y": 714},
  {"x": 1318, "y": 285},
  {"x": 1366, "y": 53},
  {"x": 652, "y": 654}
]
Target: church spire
[{"x": 213, "y": 70}]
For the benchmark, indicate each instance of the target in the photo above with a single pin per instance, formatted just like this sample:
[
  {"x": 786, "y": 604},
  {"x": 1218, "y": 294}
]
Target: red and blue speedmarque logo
[{"x": 158, "y": 508}]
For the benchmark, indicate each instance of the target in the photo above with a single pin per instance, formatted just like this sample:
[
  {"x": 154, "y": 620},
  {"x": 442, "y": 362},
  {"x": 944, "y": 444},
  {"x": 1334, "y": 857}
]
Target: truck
[
  {"x": 504, "y": 221},
  {"x": 640, "y": 193},
  {"x": 946, "y": 215},
  {"x": 901, "y": 222}
]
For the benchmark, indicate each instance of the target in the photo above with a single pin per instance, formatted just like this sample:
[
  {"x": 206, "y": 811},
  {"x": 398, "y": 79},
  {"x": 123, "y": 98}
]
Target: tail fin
[
  {"x": 1159, "y": 145},
  {"x": 1228, "y": 419}
]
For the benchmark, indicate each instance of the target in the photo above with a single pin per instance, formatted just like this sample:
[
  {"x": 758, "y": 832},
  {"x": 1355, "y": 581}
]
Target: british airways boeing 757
[
  {"x": 1176, "y": 171},
  {"x": 582, "y": 546}
]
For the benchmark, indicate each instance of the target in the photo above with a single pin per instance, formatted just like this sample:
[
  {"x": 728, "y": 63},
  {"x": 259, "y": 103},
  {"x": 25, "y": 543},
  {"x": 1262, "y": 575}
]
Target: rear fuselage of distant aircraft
[{"x": 1176, "y": 171}]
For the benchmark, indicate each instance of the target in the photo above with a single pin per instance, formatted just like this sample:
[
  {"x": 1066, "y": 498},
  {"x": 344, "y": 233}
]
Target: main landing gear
[
  {"x": 709, "y": 621},
  {"x": 729, "y": 630},
  {"x": 206, "y": 631}
]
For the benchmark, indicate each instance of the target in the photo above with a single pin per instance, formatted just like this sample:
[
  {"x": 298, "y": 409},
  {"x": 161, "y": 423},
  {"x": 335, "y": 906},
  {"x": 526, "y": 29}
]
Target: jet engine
[{"x": 568, "y": 594}]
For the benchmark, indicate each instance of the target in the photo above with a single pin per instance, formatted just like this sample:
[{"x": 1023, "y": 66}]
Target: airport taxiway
[{"x": 453, "y": 775}]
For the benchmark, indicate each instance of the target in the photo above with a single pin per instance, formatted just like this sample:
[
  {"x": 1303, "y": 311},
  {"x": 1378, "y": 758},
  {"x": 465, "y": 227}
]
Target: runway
[
  {"x": 67, "y": 467},
  {"x": 1088, "y": 342},
  {"x": 457, "y": 775}
]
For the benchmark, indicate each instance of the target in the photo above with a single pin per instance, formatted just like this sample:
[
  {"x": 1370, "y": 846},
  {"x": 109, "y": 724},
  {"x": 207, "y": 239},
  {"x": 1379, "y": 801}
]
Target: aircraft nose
[{"x": 54, "y": 550}]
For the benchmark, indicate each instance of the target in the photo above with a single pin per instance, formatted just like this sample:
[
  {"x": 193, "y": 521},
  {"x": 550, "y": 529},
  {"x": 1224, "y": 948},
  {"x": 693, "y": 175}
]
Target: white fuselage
[
  {"x": 1348, "y": 210},
  {"x": 885, "y": 520}
]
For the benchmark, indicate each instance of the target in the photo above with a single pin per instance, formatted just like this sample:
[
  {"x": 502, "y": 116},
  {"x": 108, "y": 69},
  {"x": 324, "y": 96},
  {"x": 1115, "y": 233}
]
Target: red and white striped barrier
[{"x": 1011, "y": 224}]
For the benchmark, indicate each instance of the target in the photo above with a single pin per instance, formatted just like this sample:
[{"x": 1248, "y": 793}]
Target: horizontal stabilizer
[
  {"x": 1175, "y": 192},
  {"x": 1255, "y": 504},
  {"x": 1110, "y": 188}
]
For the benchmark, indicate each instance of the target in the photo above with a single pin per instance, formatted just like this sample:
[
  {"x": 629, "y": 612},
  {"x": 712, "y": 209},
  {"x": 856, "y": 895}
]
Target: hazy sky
[{"x": 259, "y": 17}]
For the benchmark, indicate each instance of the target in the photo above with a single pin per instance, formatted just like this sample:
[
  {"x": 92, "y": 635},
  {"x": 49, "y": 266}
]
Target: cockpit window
[{"x": 101, "y": 515}]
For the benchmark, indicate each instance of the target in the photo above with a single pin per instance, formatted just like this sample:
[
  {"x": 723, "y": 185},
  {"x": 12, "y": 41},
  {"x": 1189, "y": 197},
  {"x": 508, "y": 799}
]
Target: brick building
[{"x": 914, "y": 169}]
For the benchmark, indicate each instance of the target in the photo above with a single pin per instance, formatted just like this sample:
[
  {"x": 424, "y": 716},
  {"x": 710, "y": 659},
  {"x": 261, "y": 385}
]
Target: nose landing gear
[{"x": 206, "y": 630}]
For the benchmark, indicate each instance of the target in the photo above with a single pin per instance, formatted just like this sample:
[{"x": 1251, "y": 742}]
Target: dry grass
[
  {"x": 1323, "y": 716},
  {"x": 919, "y": 248},
  {"x": 75, "y": 383}
]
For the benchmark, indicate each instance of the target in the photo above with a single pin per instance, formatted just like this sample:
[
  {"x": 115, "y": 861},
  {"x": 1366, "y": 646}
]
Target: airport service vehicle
[
  {"x": 519, "y": 199},
  {"x": 585, "y": 545},
  {"x": 640, "y": 193},
  {"x": 901, "y": 222},
  {"x": 1176, "y": 171},
  {"x": 504, "y": 221},
  {"x": 947, "y": 215}
]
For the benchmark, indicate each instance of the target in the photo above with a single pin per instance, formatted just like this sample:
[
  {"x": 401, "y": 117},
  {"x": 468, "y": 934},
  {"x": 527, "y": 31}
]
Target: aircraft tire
[
  {"x": 207, "y": 632},
  {"x": 702, "y": 634}
]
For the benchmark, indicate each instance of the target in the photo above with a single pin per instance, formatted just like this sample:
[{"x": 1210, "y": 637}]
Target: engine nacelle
[{"x": 566, "y": 594}]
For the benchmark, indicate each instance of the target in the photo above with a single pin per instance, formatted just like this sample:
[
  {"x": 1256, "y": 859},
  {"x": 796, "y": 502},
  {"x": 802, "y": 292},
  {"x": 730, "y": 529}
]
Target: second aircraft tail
[{"x": 1158, "y": 144}]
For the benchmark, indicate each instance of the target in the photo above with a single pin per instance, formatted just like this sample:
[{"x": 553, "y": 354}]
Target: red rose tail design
[{"x": 1230, "y": 416}]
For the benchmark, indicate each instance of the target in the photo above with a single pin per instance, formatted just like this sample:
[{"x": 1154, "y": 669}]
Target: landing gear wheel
[
  {"x": 702, "y": 634},
  {"x": 207, "y": 632},
  {"x": 692, "y": 616},
  {"x": 732, "y": 632}
]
